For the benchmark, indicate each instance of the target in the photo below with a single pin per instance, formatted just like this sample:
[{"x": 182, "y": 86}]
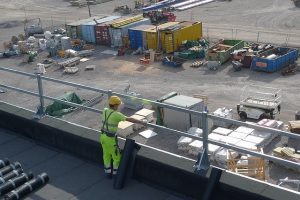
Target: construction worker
[{"x": 108, "y": 137}]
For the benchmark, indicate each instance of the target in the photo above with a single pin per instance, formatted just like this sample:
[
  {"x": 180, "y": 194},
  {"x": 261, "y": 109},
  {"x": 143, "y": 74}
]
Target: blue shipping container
[
  {"x": 137, "y": 36},
  {"x": 284, "y": 56},
  {"x": 88, "y": 32}
]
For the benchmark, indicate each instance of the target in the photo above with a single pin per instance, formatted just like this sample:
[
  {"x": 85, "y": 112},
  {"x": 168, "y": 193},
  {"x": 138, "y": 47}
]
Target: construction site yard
[{"x": 223, "y": 87}]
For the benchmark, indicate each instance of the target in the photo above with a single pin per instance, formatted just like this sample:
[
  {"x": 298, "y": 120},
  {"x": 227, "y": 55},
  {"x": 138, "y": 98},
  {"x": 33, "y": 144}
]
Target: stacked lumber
[
  {"x": 70, "y": 62},
  {"x": 294, "y": 126}
]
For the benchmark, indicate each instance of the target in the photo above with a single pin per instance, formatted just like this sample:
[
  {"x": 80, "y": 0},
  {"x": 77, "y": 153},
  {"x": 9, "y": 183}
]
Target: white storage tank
[{"x": 180, "y": 120}]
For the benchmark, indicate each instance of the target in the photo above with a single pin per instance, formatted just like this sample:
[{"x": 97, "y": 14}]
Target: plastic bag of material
[
  {"x": 48, "y": 35},
  {"x": 31, "y": 39},
  {"x": 42, "y": 44},
  {"x": 71, "y": 53}
]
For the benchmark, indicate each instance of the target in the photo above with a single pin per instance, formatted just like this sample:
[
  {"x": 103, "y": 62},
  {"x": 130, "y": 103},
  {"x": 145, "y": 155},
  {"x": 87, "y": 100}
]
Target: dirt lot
[{"x": 223, "y": 86}]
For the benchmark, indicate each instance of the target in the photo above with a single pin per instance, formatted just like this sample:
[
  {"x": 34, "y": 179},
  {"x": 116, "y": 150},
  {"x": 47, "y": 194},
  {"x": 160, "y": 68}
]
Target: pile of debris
[
  {"x": 193, "y": 49},
  {"x": 288, "y": 153}
]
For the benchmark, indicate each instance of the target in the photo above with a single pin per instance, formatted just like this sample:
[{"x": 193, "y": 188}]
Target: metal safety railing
[
  {"x": 203, "y": 163},
  {"x": 259, "y": 35}
]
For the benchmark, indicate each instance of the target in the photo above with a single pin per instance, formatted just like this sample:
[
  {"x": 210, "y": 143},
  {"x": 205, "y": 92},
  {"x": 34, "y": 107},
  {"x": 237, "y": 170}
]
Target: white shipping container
[{"x": 180, "y": 120}]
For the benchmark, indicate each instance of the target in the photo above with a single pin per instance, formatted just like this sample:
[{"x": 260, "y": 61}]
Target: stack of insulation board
[
  {"x": 197, "y": 146},
  {"x": 242, "y": 133},
  {"x": 224, "y": 113},
  {"x": 223, "y": 154},
  {"x": 183, "y": 142},
  {"x": 137, "y": 126},
  {"x": 125, "y": 129},
  {"x": 146, "y": 113}
]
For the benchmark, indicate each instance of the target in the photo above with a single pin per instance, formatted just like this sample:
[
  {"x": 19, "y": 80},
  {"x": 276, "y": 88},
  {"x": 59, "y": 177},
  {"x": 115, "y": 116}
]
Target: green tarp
[{"x": 58, "y": 109}]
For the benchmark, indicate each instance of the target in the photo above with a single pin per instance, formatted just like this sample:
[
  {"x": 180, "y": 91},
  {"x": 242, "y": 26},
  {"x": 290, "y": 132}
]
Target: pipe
[
  {"x": 4, "y": 163},
  {"x": 11, "y": 175},
  {"x": 8, "y": 168},
  {"x": 15, "y": 182},
  {"x": 127, "y": 163},
  {"x": 25, "y": 189}
]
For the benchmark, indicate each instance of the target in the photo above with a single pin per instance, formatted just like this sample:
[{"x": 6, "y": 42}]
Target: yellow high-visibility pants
[{"x": 110, "y": 152}]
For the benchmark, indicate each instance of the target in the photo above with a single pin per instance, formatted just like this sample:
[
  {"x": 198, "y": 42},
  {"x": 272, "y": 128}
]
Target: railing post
[
  {"x": 203, "y": 164},
  {"x": 287, "y": 39},
  {"x": 205, "y": 130},
  {"x": 40, "y": 111}
]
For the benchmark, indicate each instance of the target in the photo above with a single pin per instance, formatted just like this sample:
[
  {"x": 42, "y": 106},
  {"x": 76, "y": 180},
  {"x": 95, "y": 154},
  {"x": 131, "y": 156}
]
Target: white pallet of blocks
[
  {"x": 137, "y": 126},
  {"x": 146, "y": 113},
  {"x": 184, "y": 141},
  {"x": 125, "y": 129}
]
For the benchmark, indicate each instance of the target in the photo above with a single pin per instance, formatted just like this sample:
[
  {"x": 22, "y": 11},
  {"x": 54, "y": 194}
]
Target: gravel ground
[{"x": 223, "y": 86}]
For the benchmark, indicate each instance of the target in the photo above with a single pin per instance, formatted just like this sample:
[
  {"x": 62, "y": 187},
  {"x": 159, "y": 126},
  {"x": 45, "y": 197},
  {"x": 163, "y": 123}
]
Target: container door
[
  {"x": 168, "y": 43},
  {"x": 151, "y": 40},
  {"x": 103, "y": 36}
]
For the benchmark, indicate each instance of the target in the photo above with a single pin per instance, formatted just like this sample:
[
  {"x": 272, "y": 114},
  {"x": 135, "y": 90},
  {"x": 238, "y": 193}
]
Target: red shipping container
[{"x": 102, "y": 34}]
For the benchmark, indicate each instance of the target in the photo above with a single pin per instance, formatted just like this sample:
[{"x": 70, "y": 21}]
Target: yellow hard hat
[{"x": 114, "y": 100}]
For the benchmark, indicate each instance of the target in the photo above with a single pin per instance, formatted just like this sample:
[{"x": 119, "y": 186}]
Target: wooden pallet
[
  {"x": 71, "y": 62},
  {"x": 255, "y": 167},
  {"x": 203, "y": 97},
  {"x": 71, "y": 70},
  {"x": 197, "y": 64}
]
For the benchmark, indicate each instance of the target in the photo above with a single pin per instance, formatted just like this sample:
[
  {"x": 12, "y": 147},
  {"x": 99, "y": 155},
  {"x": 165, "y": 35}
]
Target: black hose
[
  {"x": 127, "y": 162},
  {"x": 27, "y": 187},
  {"x": 11, "y": 175},
  {"x": 4, "y": 163},
  {"x": 9, "y": 168},
  {"x": 15, "y": 182}
]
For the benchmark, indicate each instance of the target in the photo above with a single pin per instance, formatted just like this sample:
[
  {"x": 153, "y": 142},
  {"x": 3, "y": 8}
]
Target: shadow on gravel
[{"x": 10, "y": 24}]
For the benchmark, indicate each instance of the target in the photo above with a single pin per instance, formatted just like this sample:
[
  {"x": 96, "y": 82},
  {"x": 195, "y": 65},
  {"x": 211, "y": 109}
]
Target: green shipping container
[{"x": 221, "y": 51}]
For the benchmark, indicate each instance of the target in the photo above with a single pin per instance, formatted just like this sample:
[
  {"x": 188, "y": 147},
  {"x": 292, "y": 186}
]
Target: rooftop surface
[{"x": 70, "y": 177}]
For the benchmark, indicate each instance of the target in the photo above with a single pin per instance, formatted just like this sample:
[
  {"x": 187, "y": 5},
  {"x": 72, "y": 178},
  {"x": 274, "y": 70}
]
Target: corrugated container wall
[
  {"x": 88, "y": 32},
  {"x": 102, "y": 29},
  {"x": 116, "y": 34},
  {"x": 151, "y": 34},
  {"x": 284, "y": 57},
  {"x": 97, "y": 31},
  {"x": 102, "y": 32},
  {"x": 171, "y": 39},
  {"x": 74, "y": 29},
  {"x": 137, "y": 36}
]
